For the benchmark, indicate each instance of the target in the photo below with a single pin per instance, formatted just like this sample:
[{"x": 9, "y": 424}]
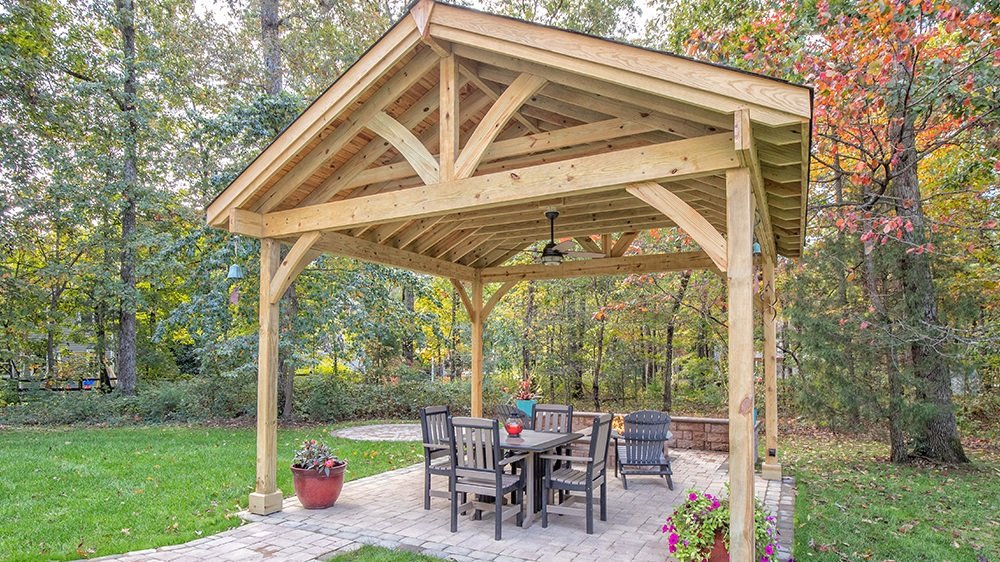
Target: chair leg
[
  {"x": 427, "y": 489},
  {"x": 498, "y": 510},
  {"x": 454, "y": 511},
  {"x": 590, "y": 509},
  {"x": 624, "y": 480},
  {"x": 670, "y": 482},
  {"x": 604, "y": 501},
  {"x": 519, "y": 496},
  {"x": 545, "y": 504}
]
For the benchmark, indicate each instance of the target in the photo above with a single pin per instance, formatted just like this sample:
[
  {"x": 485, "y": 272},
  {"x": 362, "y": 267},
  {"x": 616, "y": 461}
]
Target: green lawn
[
  {"x": 853, "y": 505},
  {"x": 379, "y": 554},
  {"x": 77, "y": 492}
]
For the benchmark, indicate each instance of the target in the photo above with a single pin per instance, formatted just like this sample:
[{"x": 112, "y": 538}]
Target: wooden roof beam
[
  {"x": 589, "y": 174},
  {"x": 653, "y": 263},
  {"x": 713, "y": 88},
  {"x": 684, "y": 216},
  {"x": 746, "y": 151},
  {"x": 347, "y": 246},
  {"x": 402, "y": 81}
]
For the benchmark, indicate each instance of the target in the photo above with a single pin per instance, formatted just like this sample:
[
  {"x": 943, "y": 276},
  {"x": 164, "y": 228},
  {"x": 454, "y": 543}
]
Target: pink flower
[
  {"x": 714, "y": 506},
  {"x": 329, "y": 463},
  {"x": 673, "y": 549},
  {"x": 769, "y": 549},
  {"x": 693, "y": 496},
  {"x": 665, "y": 528},
  {"x": 674, "y": 539}
]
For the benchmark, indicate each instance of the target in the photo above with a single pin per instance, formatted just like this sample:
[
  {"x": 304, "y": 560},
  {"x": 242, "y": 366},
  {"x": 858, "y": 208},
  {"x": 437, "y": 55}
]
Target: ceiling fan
[{"x": 552, "y": 253}]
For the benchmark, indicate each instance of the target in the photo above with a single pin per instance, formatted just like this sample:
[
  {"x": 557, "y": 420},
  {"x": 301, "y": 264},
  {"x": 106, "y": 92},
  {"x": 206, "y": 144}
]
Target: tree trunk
[
  {"x": 287, "y": 364},
  {"x": 668, "y": 370},
  {"x": 938, "y": 436},
  {"x": 270, "y": 21},
  {"x": 125, "y": 14},
  {"x": 529, "y": 320},
  {"x": 598, "y": 361},
  {"x": 408, "y": 346}
]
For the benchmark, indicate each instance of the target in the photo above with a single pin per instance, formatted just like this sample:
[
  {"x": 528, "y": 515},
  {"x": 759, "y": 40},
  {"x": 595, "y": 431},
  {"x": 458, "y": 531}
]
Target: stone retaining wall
[{"x": 706, "y": 434}]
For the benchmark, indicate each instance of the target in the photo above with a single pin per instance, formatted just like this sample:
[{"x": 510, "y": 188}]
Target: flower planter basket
[{"x": 315, "y": 489}]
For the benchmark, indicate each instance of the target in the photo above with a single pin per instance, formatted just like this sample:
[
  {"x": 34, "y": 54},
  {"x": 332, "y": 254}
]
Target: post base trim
[
  {"x": 265, "y": 504},
  {"x": 770, "y": 471}
]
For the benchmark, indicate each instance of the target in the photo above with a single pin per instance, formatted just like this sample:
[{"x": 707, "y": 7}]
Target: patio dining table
[{"x": 533, "y": 443}]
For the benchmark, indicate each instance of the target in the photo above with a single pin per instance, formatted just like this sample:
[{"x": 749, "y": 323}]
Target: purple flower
[
  {"x": 765, "y": 559},
  {"x": 665, "y": 528},
  {"x": 674, "y": 539},
  {"x": 769, "y": 549},
  {"x": 714, "y": 506},
  {"x": 673, "y": 549},
  {"x": 693, "y": 496}
]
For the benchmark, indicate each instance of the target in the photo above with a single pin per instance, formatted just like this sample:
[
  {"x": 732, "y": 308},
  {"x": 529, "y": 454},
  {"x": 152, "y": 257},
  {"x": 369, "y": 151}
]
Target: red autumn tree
[{"x": 897, "y": 85}]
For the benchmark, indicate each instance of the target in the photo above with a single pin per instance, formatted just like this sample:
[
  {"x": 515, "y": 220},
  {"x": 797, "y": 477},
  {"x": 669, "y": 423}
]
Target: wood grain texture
[
  {"x": 653, "y": 263},
  {"x": 741, "y": 361},
  {"x": 407, "y": 144},
  {"x": 267, "y": 372},
  {"x": 342, "y": 245},
  {"x": 297, "y": 258},
  {"x": 684, "y": 216},
  {"x": 668, "y": 161}
]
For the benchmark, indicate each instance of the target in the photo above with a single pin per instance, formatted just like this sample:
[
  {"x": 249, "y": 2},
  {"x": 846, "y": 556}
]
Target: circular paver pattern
[{"x": 381, "y": 432}]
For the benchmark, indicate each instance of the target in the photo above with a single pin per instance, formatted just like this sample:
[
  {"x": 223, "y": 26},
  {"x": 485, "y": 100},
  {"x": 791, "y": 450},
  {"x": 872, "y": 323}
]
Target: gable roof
[{"x": 375, "y": 133}]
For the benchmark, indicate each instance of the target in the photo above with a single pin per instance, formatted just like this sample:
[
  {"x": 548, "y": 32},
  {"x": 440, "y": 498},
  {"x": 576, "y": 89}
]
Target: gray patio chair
[
  {"x": 478, "y": 469},
  {"x": 589, "y": 472},
  {"x": 640, "y": 447},
  {"x": 434, "y": 422},
  {"x": 553, "y": 418}
]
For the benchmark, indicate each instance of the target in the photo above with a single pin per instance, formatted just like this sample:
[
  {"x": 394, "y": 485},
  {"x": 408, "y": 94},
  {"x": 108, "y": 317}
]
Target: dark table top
[{"x": 535, "y": 441}]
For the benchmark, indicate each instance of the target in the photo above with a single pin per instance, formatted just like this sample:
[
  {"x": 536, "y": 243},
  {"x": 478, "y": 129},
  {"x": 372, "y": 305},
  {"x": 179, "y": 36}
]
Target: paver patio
[{"x": 386, "y": 510}]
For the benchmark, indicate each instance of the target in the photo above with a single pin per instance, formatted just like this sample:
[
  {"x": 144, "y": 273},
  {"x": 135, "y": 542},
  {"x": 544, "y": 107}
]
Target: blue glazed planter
[{"x": 527, "y": 406}]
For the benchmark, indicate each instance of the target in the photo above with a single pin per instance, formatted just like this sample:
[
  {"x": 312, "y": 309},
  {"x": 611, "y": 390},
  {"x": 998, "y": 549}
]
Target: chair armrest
[
  {"x": 566, "y": 458},
  {"x": 512, "y": 459}
]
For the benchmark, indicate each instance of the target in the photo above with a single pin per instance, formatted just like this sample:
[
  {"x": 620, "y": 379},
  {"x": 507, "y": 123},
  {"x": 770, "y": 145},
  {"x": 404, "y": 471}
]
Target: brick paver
[
  {"x": 381, "y": 432},
  {"x": 386, "y": 510}
]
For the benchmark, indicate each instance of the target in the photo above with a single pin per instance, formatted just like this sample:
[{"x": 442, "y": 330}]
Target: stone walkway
[
  {"x": 381, "y": 432},
  {"x": 386, "y": 509}
]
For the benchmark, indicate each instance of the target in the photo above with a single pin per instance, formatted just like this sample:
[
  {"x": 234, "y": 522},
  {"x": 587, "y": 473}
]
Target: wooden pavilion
[{"x": 442, "y": 147}]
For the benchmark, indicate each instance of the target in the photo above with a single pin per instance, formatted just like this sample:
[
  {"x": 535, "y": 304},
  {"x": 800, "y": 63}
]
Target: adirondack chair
[
  {"x": 584, "y": 475},
  {"x": 437, "y": 445},
  {"x": 477, "y": 468},
  {"x": 640, "y": 447}
]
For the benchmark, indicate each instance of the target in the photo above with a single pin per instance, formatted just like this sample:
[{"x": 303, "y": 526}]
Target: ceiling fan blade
[
  {"x": 565, "y": 246},
  {"x": 583, "y": 254}
]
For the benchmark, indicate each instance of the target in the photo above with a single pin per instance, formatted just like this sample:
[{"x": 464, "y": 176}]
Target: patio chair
[
  {"x": 553, "y": 418},
  {"x": 434, "y": 422},
  {"x": 505, "y": 411},
  {"x": 640, "y": 447},
  {"x": 590, "y": 472},
  {"x": 478, "y": 468}
]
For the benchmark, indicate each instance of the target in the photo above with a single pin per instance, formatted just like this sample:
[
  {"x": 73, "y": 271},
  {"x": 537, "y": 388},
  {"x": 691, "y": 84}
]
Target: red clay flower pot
[
  {"x": 719, "y": 552},
  {"x": 316, "y": 490}
]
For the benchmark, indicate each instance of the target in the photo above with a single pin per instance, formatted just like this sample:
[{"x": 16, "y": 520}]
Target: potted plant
[
  {"x": 317, "y": 474},
  {"x": 699, "y": 530},
  {"x": 525, "y": 397}
]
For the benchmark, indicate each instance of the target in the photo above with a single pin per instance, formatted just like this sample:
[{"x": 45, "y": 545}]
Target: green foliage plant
[
  {"x": 317, "y": 456},
  {"x": 693, "y": 525}
]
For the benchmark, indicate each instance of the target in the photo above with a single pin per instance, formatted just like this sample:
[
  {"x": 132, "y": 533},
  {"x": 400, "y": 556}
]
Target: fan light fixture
[{"x": 550, "y": 254}]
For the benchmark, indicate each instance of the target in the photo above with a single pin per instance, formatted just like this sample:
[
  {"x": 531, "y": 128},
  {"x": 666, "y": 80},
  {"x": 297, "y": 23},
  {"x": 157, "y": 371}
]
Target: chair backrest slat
[
  {"x": 434, "y": 428},
  {"x": 477, "y": 446},
  {"x": 553, "y": 418},
  {"x": 645, "y": 432},
  {"x": 600, "y": 436}
]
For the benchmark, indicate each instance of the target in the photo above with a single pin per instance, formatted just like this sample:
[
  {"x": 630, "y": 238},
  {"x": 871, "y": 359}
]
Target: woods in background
[{"x": 121, "y": 121}]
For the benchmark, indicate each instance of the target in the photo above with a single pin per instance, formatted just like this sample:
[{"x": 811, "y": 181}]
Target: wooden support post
[
  {"x": 771, "y": 469},
  {"x": 266, "y": 498},
  {"x": 476, "y": 315},
  {"x": 739, "y": 203},
  {"x": 448, "y": 125}
]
